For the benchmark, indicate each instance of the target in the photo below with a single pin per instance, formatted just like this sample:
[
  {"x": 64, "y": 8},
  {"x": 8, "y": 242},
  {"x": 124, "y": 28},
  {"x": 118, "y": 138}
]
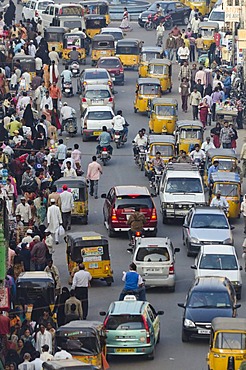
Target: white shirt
[
  {"x": 38, "y": 364},
  {"x": 24, "y": 211},
  {"x": 26, "y": 365},
  {"x": 206, "y": 146},
  {"x": 45, "y": 101},
  {"x": 243, "y": 208},
  {"x": 27, "y": 77},
  {"x": 141, "y": 141},
  {"x": 67, "y": 112},
  {"x": 46, "y": 356},
  {"x": 18, "y": 139},
  {"x": 197, "y": 155},
  {"x": 69, "y": 159},
  {"x": 32, "y": 50},
  {"x": 69, "y": 173},
  {"x": 183, "y": 53},
  {"x": 62, "y": 355},
  {"x": 118, "y": 122},
  {"x": 66, "y": 201},
  {"x": 38, "y": 64},
  {"x": 81, "y": 279},
  {"x": 222, "y": 202},
  {"x": 195, "y": 24},
  {"x": 41, "y": 340}
]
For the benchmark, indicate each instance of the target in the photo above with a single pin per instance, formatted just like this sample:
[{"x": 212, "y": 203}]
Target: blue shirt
[
  {"x": 104, "y": 139},
  {"x": 211, "y": 170},
  {"x": 131, "y": 280}
]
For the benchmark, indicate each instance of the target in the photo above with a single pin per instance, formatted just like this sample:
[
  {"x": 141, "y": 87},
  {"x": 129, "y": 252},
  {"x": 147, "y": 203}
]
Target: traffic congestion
[{"x": 122, "y": 206}]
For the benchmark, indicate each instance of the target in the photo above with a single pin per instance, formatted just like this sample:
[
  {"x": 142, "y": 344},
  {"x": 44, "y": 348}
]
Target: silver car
[
  {"x": 206, "y": 225},
  {"x": 155, "y": 260},
  {"x": 94, "y": 76},
  {"x": 96, "y": 95}
]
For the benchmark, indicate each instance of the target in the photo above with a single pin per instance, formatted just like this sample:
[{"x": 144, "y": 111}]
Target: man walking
[
  {"x": 66, "y": 207},
  {"x": 81, "y": 281},
  {"x": 94, "y": 172},
  {"x": 195, "y": 100},
  {"x": 54, "y": 219}
]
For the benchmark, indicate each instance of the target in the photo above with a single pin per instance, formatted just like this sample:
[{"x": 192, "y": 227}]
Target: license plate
[
  {"x": 93, "y": 265},
  {"x": 113, "y": 78},
  {"x": 99, "y": 101},
  {"x": 103, "y": 52},
  {"x": 74, "y": 70},
  {"x": 67, "y": 90},
  {"x": 125, "y": 350},
  {"x": 204, "y": 331},
  {"x": 153, "y": 270},
  {"x": 97, "y": 133}
]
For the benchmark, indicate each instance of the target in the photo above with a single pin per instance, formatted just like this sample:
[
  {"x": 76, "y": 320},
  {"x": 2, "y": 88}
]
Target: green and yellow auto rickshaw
[
  {"x": 94, "y": 23},
  {"x": 162, "y": 69},
  {"x": 146, "y": 89},
  {"x": 165, "y": 144},
  {"x": 93, "y": 249},
  {"x": 148, "y": 53},
  {"x": 188, "y": 133},
  {"x": 71, "y": 40},
  {"x": 163, "y": 113},
  {"x": 78, "y": 187},
  {"x": 226, "y": 158}
]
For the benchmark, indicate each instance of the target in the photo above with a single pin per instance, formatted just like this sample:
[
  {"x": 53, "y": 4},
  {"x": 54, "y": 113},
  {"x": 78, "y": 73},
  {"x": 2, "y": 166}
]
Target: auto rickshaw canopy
[
  {"x": 161, "y": 139},
  {"x": 161, "y": 62},
  {"x": 225, "y": 177},
  {"x": 95, "y": 21},
  {"x": 164, "y": 101},
  {"x": 222, "y": 153},
  {"x": 103, "y": 41},
  {"x": 209, "y": 25},
  {"x": 150, "y": 52},
  {"x": 228, "y": 323},
  {"x": 54, "y": 34},
  {"x": 27, "y": 62},
  {"x": 149, "y": 86},
  {"x": 189, "y": 124},
  {"x": 71, "y": 182},
  {"x": 129, "y": 46},
  {"x": 67, "y": 364}
]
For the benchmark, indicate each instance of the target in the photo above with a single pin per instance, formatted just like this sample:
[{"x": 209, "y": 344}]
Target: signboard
[
  {"x": 232, "y": 13},
  {"x": 242, "y": 39},
  {"x": 4, "y": 299}
]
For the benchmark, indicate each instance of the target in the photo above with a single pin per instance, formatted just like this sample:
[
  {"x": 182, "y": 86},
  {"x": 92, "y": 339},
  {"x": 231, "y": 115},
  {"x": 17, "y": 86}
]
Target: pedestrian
[
  {"x": 184, "y": 90},
  {"x": 201, "y": 75},
  {"x": 61, "y": 152},
  {"x": 26, "y": 365},
  {"x": 170, "y": 46},
  {"x": 195, "y": 99},
  {"x": 195, "y": 23},
  {"x": 243, "y": 157},
  {"x": 43, "y": 337},
  {"x": 54, "y": 219},
  {"x": 69, "y": 171},
  {"x": 45, "y": 355},
  {"x": 226, "y": 135},
  {"x": 125, "y": 21},
  {"x": 160, "y": 30},
  {"x": 81, "y": 282},
  {"x": 240, "y": 108},
  {"x": 78, "y": 307},
  {"x": 60, "y": 306},
  {"x": 193, "y": 75},
  {"x": 55, "y": 94},
  {"x": 76, "y": 154},
  {"x": 200, "y": 87},
  {"x": 54, "y": 56},
  {"x": 203, "y": 110},
  {"x": 183, "y": 54},
  {"x": 216, "y": 98},
  {"x": 243, "y": 211},
  {"x": 24, "y": 210},
  {"x": 199, "y": 45},
  {"x": 54, "y": 195},
  {"x": 234, "y": 137},
  {"x": 67, "y": 205},
  {"x": 38, "y": 253},
  {"x": 185, "y": 71},
  {"x": 94, "y": 171},
  {"x": 55, "y": 274}
]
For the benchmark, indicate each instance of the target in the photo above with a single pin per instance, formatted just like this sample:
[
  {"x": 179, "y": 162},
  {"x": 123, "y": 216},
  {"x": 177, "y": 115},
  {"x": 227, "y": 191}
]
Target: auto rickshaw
[
  {"x": 27, "y": 63},
  {"x": 128, "y": 50},
  {"x": 207, "y": 30},
  {"x": 229, "y": 184},
  {"x": 71, "y": 40},
  {"x": 33, "y": 285},
  {"x": 223, "y": 115},
  {"x": 78, "y": 188},
  {"x": 226, "y": 158},
  {"x": 54, "y": 37},
  {"x": 162, "y": 69},
  {"x": 94, "y": 23},
  {"x": 188, "y": 133},
  {"x": 66, "y": 365},
  {"x": 163, "y": 114},
  {"x": 146, "y": 89},
  {"x": 102, "y": 46},
  {"x": 165, "y": 144},
  {"x": 93, "y": 249},
  {"x": 148, "y": 53},
  {"x": 227, "y": 346},
  {"x": 98, "y": 7},
  {"x": 85, "y": 340}
]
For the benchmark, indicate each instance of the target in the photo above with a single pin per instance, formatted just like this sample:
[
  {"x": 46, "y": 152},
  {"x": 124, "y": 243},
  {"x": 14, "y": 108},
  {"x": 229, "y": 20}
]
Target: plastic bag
[{"x": 61, "y": 230}]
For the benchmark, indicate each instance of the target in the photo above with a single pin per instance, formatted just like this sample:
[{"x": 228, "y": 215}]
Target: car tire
[
  {"x": 186, "y": 20},
  {"x": 153, "y": 233},
  {"x": 171, "y": 289},
  {"x": 111, "y": 233},
  {"x": 185, "y": 338},
  {"x": 151, "y": 355},
  {"x": 239, "y": 295},
  {"x": 135, "y": 110},
  {"x": 164, "y": 220},
  {"x": 168, "y": 24},
  {"x": 84, "y": 138},
  {"x": 159, "y": 337},
  {"x": 189, "y": 254}
]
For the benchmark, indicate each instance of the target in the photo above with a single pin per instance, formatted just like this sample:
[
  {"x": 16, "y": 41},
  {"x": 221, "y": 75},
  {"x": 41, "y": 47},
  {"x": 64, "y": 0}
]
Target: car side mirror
[
  {"x": 240, "y": 268},
  {"x": 102, "y": 313},
  {"x": 194, "y": 267},
  {"x": 176, "y": 250},
  {"x": 232, "y": 227},
  {"x": 103, "y": 195},
  {"x": 186, "y": 226},
  {"x": 160, "y": 313},
  {"x": 182, "y": 305},
  {"x": 236, "y": 306}
]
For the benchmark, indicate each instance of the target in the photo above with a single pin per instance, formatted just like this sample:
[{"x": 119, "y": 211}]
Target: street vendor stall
[{"x": 226, "y": 112}]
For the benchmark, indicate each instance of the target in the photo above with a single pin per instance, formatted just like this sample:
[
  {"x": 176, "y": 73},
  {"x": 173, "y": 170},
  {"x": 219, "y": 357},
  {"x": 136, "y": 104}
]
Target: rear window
[
  {"x": 124, "y": 322},
  {"x": 100, "y": 115},
  {"x": 134, "y": 202},
  {"x": 96, "y": 75},
  {"x": 97, "y": 94},
  {"x": 43, "y": 5},
  {"x": 109, "y": 63},
  {"x": 153, "y": 254}
]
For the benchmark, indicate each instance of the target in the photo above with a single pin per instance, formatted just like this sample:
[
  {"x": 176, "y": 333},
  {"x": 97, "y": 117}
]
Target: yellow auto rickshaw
[
  {"x": 100, "y": 7},
  {"x": 163, "y": 113},
  {"x": 94, "y": 23},
  {"x": 128, "y": 50},
  {"x": 27, "y": 63},
  {"x": 207, "y": 30},
  {"x": 33, "y": 287},
  {"x": 229, "y": 184},
  {"x": 93, "y": 249},
  {"x": 201, "y": 5},
  {"x": 165, "y": 144},
  {"x": 188, "y": 133},
  {"x": 146, "y": 89},
  {"x": 84, "y": 340},
  {"x": 148, "y": 53},
  {"x": 102, "y": 46},
  {"x": 162, "y": 69},
  {"x": 78, "y": 187},
  {"x": 71, "y": 40},
  {"x": 54, "y": 37},
  {"x": 226, "y": 158},
  {"x": 227, "y": 346}
]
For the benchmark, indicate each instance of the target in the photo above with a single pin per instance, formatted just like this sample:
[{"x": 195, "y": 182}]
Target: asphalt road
[{"x": 171, "y": 353}]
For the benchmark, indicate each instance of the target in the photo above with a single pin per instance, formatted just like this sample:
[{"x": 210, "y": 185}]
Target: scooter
[
  {"x": 67, "y": 89},
  {"x": 104, "y": 155},
  {"x": 74, "y": 68},
  {"x": 70, "y": 126}
]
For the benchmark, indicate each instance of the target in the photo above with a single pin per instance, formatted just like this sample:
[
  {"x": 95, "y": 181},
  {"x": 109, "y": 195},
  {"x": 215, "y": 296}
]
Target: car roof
[
  {"x": 165, "y": 242},
  {"x": 101, "y": 108},
  {"x": 225, "y": 177},
  {"x": 221, "y": 152},
  {"x": 98, "y": 87},
  {"x": 95, "y": 70},
  {"x": 35, "y": 275},
  {"x": 208, "y": 210},
  {"x": 131, "y": 190},
  {"x": 111, "y": 29},
  {"x": 127, "y": 307},
  {"x": 229, "y": 323},
  {"x": 66, "y": 364},
  {"x": 210, "y": 283},
  {"x": 217, "y": 248}
]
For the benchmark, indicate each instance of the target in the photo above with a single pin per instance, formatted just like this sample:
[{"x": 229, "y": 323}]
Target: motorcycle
[
  {"x": 140, "y": 157},
  {"x": 104, "y": 155},
  {"x": 201, "y": 165},
  {"x": 70, "y": 126},
  {"x": 67, "y": 89},
  {"x": 119, "y": 139},
  {"x": 135, "y": 239},
  {"x": 74, "y": 68},
  {"x": 157, "y": 179},
  {"x": 154, "y": 20}
]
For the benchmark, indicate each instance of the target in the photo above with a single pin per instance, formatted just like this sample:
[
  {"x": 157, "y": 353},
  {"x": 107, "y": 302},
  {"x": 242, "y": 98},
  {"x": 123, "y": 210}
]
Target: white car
[
  {"x": 219, "y": 260},
  {"x": 217, "y": 15},
  {"x": 99, "y": 95},
  {"x": 114, "y": 31},
  {"x": 34, "y": 8},
  {"x": 94, "y": 118}
]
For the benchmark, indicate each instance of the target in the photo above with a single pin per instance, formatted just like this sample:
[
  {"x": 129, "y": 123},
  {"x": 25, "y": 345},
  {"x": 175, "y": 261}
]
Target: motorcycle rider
[
  {"x": 119, "y": 124},
  {"x": 159, "y": 10},
  {"x": 104, "y": 141},
  {"x": 136, "y": 222},
  {"x": 197, "y": 156},
  {"x": 158, "y": 163},
  {"x": 74, "y": 55},
  {"x": 219, "y": 201},
  {"x": 66, "y": 113},
  {"x": 133, "y": 283},
  {"x": 66, "y": 76},
  {"x": 159, "y": 34},
  {"x": 140, "y": 140}
]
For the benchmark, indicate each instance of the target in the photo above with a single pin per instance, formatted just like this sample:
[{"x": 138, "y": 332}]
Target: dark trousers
[
  {"x": 192, "y": 53},
  {"x": 55, "y": 101},
  {"x": 184, "y": 99},
  {"x": 94, "y": 187},
  {"x": 82, "y": 295},
  {"x": 195, "y": 111},
  {"x": 213, "y": 111},
  {"x": 66, "y": 220},
  {"x": 240, "y": 119},
  {"x": 18, "y": 179}
]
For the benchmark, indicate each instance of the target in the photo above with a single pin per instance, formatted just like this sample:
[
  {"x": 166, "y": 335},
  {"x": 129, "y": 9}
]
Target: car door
[
  {"x": 155, "y": 323},
  {"x": 108, "y": 205},
  {"x": 187, "y": 222},
  {"x": 172, "y": 11}
]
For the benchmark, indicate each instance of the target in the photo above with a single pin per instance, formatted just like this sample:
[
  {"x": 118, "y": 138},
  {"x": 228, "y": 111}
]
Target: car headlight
[
  {"x": 194, "y": 240},
  {"x": 189, "y": 324},
  {"x": 227, "y": 241}
]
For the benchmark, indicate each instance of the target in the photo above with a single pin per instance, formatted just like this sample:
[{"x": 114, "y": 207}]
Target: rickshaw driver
[
  {"x": 133, "y": 283},
  {"x": 197, "y": 155},
  {"x": 219, "y": 202},
  {"x": 74, "y": 55},
  {"x": 140, "y": 140}
]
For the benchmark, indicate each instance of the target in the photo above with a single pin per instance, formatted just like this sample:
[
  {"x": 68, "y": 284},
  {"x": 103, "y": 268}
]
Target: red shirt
[
  {"x": 4, "y": 325},
  {"x": 217, "y": 38}
]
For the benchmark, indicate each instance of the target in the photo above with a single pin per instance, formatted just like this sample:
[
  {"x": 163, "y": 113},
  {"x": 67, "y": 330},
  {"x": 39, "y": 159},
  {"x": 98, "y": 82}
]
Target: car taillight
[
  {"x": 121, "y": 70},
  {"x": 138, "y": 233},
  {"x": 83, "y": 100},
  {"x": 171, "y": 270},
  {"x": 154, "y": 216},
  {"x": 105, "y": 149},
  {"x": 146, "y": 327},
  {"x": 114, "y": 217},
  {"x": 36, "y": 13},
  {"x": 84, "y": 83},
  {"x": 85, "y": 123},
  {"x": 110, "y": 100}
]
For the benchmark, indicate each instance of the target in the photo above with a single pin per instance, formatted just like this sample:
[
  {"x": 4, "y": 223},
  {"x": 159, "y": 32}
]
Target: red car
[
  {"x": 114, "y": 68},
  {"x": 121, "y": 202}
]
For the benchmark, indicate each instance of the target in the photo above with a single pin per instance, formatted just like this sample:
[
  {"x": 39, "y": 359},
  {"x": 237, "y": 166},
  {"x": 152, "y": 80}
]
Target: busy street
[{"x": 122, "y": 169}]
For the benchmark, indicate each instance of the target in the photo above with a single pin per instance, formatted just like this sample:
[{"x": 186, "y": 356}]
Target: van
[
  {"x": 218, "y": 15},
  {"x": 181, "y": 188},
  {"x": 53, "y": 11},
  {"x": 155, "y": 260},
  {"x": 34, "y": 8}
]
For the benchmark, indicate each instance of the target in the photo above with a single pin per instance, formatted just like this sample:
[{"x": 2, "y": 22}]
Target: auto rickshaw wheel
[
  {"x": 170, "y": 89},
  {"x": 135, "y": 110},
  {"x": 108, "y": 282},
  {"x": 164, "y": 219}
]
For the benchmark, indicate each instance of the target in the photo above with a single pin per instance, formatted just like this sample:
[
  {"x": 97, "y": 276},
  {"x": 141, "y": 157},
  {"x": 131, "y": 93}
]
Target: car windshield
[
  {"x": 205, "y": 299},
  {"x": 209, "y": 221},
  {"x": 183, "y": 185},
  {"x": 153, "y": 6},
  {"x": 218, "y": 262},
  {"x": 158, "y": 69},
  {"x": 227, "y": 189},
  {"x": 124, "y": 322},
  {"x": 153, "y": 253},
  {"x": 109, "y": 63},
  {"x": 190, "y": 134},
  {"x": 97, "y": 94},
  {"x": 100, "y": 115},
  {"x": 230, "y": 341},
  {"x": 165, "y": 150},
  {"x": 217, "y": 16},
  {"x": 96, "y": 75},
  {"x": 165, "y": 110},
  {"x": 149, "y": 89},
  {"x": 72, "y": 24}
]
